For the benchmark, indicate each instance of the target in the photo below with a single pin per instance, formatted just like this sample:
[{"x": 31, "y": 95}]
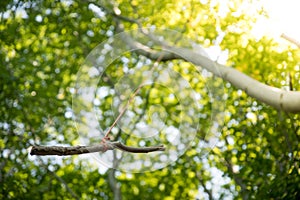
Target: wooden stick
[{"x": 76, "y": 150}]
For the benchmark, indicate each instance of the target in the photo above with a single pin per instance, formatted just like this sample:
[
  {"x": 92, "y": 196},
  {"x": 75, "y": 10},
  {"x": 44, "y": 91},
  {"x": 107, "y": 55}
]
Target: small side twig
[{"x": 76, "y": 150}]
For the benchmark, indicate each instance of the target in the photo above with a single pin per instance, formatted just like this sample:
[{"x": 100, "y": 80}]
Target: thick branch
[
  {"x": 65, "y": 151},
  {"x": 288, "y": 101}
]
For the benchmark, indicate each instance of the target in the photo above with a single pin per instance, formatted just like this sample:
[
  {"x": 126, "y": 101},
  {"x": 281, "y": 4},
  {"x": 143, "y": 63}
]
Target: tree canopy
[{"x": 205, "y": 91}]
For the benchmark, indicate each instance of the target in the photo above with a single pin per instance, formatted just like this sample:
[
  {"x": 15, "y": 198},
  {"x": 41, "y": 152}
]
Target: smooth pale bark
[{"x": 288, "y": 101}]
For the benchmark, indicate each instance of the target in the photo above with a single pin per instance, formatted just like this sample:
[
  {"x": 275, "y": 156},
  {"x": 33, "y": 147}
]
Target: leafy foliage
[{"x": 44, "y": 43}]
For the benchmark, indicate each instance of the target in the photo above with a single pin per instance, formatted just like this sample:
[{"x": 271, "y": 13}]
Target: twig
[
  {"x": 65, "y": 151},
  {"x": 131, "y": 99},
  {"x": 123, "y": 110}
]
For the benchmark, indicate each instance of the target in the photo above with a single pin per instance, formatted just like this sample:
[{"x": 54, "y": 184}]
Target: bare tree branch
[
  {"x": 65, "y": 151},
  {"x": 288, "y": 101},
  {"x": 280, "y": 99}
]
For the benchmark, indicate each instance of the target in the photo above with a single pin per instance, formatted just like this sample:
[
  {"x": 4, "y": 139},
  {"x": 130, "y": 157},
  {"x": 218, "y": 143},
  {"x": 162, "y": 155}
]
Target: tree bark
[
  {"x": 65, "y": 151},
  {"x": 288, "y": 101}
]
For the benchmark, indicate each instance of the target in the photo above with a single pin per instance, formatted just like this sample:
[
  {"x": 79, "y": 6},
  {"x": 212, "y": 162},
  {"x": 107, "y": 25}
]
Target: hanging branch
[
  {"x": 105, "y": 143},
  {"x": 66, "y": 151}
]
